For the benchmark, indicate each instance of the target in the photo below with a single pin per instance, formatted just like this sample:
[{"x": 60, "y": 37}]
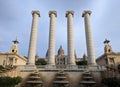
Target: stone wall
[{"x": 73, "y": 77}]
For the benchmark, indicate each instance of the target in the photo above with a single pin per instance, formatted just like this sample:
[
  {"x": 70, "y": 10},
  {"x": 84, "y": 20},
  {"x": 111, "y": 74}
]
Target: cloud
[{"x": 16, "y": 19}]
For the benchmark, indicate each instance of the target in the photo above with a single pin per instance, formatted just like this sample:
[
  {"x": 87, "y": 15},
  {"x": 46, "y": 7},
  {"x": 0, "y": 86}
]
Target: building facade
[
  {"x": 12, "y": 58},
  {"x": 62, "y": 59},
  {"x": 109, "y": 58}
]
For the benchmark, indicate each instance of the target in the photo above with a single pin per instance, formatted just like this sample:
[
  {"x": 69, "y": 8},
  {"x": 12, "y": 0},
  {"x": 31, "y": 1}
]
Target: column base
[
  {"x": 92, "y": 64},
  {"x": 30, "y": 63}
]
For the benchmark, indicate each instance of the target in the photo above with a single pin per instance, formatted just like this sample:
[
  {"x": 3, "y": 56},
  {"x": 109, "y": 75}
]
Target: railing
[{"x": 62, "y": 67}]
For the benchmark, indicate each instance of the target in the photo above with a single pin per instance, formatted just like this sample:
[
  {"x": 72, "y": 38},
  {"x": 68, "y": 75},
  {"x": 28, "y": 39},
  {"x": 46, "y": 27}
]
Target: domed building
[{"x": 61, "y": 58}]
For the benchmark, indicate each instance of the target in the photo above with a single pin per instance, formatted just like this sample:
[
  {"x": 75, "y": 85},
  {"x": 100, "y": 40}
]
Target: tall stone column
[
  {"x": 51, "y": 52},
  {"x": 89, "y": 41},
  {"x": 33, "y": 38},
  {"x": 70, "y": 37}
]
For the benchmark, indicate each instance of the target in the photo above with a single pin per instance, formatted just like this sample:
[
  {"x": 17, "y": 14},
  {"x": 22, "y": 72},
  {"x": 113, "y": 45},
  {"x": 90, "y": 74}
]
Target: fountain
[
  {"x": 87, "y": 80},
  {"x": 61, "y": 80},
  {"x": 34, "y": 80}
]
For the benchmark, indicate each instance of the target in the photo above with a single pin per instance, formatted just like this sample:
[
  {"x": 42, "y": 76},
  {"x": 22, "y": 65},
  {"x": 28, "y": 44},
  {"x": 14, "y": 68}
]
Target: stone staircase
[
  {"x": 34, "y": 80},
  {"x": 61, "y": 80},
  {"x": 87, "y": 80}
]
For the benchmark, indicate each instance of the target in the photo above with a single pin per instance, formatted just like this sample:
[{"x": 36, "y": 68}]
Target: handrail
[{"x": 61, "y": 67}]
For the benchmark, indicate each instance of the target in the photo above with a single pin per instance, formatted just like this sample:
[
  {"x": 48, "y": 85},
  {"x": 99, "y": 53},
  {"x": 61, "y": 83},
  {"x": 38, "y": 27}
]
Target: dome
[{"x": 60, "y": 51}]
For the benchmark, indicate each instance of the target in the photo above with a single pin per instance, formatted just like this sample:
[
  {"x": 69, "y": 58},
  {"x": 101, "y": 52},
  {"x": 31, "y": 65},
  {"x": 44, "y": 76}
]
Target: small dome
[{"x": 60, "y": 51}]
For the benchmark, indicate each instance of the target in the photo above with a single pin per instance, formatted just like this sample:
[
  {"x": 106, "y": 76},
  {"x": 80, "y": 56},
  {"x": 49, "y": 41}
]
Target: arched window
[
  {"x": 109, "y": 50},
  {"x": 12, "y": 50}
]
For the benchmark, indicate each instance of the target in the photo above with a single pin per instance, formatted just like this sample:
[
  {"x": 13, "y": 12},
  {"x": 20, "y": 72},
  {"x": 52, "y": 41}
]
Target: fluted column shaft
[
  {"x": 33, "y": 38},
  {"x": 51, "y": 54},
  {"x": 89, "y": 41},
  {"x": 70, "y": 37}
]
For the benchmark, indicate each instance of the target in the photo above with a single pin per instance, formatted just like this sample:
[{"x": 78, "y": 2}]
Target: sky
[{"x": 16, "y": 20}]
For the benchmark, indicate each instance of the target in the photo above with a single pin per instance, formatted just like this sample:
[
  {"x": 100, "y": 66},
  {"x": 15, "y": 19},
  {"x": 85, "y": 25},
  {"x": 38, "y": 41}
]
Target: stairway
[
  {"x": 34, "y": 80},
  {"x": 61, "y": 80},
  {"x": 87, "y": 80}
]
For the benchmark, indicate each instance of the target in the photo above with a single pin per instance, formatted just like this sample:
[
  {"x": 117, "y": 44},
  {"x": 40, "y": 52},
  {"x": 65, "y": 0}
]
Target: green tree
[
  {"x": 81, "y": 63},
  {"x": 41, "y": 62},
  {"x": 1, "y": 67},
  {"x": 111, "y": 82},
  {"x": 9, "y": 82}
]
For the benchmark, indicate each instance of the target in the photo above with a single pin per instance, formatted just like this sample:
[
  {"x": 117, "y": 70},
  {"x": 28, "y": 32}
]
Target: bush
[
  {"x": 111, "y": 82},
  {"x": 81, "y": 63},
  {"x": 9, "y": 82},
  {"x": 1, "y": 67},
  {"x": 41, "y": 62}
]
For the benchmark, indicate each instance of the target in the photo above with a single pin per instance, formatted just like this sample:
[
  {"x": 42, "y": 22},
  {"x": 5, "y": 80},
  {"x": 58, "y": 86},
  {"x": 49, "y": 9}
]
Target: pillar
[
  {"x": 33, "y": 38},
  {"x": 89, "y": 41},
  {"x": 70, "y": 38},
  {"x": 51, "y": 52}
]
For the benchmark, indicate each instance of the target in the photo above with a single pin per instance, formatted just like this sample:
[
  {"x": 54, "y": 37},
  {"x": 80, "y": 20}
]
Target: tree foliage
[
  {"x": 81, "y": 63},
  {"x": 41, "y": 62},
  {"x": 111, "y": 82},
  {"x": 1, "y": 67},
  {"x": 9, "y": 82}
]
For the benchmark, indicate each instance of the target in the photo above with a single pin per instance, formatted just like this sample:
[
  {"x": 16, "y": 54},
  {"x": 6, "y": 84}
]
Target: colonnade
[{"x": 70, "y": 38}]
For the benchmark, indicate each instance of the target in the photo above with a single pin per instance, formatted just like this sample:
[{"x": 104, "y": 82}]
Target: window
[
  {"x": 106, "y": 61},
  {"x": 111, "y": 60},
  {"x": 109, "y": 50},
  {"x": 15, "y": 60},
  {"x": 12, "y": 50},
  {"x": 11, "y": 61}
]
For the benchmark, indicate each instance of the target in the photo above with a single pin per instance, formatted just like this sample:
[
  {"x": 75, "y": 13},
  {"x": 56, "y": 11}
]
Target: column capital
[
  {"x": 52, "y": 12},
  {"x": 36, "y": 12},
  {"x": 69, "y": 12},
  {"x": 86, "y": 12}
]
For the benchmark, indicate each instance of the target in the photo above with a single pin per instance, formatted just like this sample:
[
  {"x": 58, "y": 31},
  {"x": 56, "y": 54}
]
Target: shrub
[
  {"x": 9, "y": 82},
  {"x": 1, "y": 67},
  {"x": 111, "y": 82},
  {"x": 41, "y": 62},
  {"x": 81, "y": 63}
]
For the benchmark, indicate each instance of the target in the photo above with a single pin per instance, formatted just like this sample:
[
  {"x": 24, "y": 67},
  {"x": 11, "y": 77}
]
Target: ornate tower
[
  {"x": 37, "y": 57},
  {"x": 14, "y": 47},
  {"x": 107, "y": 48},
  {"x": 85, "y": 57}
]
